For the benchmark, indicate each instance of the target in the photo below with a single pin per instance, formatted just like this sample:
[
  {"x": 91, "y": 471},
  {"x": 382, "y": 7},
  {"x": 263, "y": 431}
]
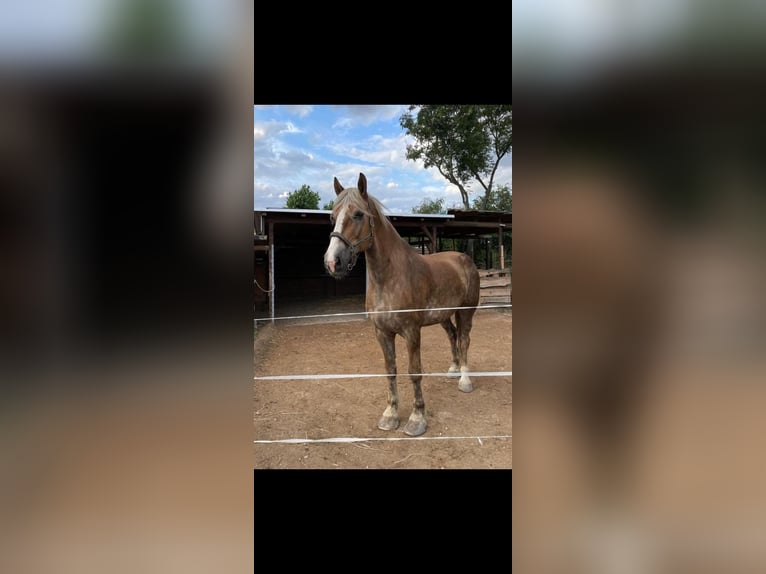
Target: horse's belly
[
  {"x": 434, "y": 317},
  {"x": 397, "y": 322}
]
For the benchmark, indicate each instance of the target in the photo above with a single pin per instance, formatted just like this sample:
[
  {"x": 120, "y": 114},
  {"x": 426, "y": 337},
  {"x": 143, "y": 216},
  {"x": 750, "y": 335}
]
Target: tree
[
  {"x": 328, "y": 206},
  {"x": 145, "y": 28},
  {"x": 502, "y": 200},
  {"x": 463, "y": 142},
  {"x": 303, "y": 198},
  {"x": 430, "y": 206}
]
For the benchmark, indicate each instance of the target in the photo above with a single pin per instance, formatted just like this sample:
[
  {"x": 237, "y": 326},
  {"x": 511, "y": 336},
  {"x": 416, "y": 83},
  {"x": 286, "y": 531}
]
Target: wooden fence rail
[{"x": 495, "y": 286}]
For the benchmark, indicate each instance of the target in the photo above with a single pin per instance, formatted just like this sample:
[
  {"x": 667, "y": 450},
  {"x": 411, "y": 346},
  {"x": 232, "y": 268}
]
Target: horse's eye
[{"x": 358, "y": 215}]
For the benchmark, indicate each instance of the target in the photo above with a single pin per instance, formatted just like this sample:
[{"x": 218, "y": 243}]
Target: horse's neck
[{"x": 386, "y": 253}]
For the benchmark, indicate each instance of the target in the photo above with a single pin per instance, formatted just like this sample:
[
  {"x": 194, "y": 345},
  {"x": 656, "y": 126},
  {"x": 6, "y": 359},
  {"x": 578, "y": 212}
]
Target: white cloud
[
  {"x": 300, "y": 111},
  {"x": 390, "y": 152},
  {"x": 365, "y": 115},
  {"x": 270, "y": 129},
  {"x": 451, "y": 191},
  {"x": 290, "y": 127},
  {"x": 391, "y": 185},
  {"x": 342, "y": 123},
  {"x": 504, "y": 174}
]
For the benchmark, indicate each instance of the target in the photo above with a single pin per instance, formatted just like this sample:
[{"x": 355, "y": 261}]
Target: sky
[{"x": 303, "y": 144}]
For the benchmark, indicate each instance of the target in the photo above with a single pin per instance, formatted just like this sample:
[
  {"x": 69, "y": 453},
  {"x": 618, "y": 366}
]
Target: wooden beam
[{"x": 476, "y": 224}]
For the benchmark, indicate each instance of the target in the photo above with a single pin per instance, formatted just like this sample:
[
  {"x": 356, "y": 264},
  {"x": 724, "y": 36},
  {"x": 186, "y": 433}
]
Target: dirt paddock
[{"x": 325, "y": 408}]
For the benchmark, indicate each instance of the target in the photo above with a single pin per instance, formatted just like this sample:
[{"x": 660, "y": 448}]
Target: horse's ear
[
  {"x": 362, "y": 185},
  {"x": 338, "y": 186}
]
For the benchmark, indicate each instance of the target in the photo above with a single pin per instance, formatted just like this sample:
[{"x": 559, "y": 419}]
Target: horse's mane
[{"x": 351, "y": 197}]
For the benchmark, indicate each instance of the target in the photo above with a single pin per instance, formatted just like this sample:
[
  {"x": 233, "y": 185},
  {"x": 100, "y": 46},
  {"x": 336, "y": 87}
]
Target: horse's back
[{"x": 458, "y": 268}]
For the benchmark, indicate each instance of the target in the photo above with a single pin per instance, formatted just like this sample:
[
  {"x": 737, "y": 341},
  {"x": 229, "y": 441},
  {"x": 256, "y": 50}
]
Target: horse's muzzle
[{"x": 340, "y": 266}]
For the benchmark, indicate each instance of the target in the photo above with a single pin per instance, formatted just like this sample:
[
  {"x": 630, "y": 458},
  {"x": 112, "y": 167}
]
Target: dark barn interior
[{"x": 293, "y": 242}]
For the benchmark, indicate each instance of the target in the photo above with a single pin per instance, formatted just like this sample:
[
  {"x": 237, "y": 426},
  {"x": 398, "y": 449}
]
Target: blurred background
[
  {"x": 639, "y": 276},
  {"x": 126, "y": 293},
  {"x": 125, "y": 286}
]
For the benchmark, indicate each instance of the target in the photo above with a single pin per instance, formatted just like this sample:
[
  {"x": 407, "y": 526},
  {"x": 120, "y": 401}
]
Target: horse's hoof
[
  {"x": 465, "y": 386},
  {"x": 388, "y": 423},
  {"x": 453, "y": 372},
  {"x": 415, "y": 427}
]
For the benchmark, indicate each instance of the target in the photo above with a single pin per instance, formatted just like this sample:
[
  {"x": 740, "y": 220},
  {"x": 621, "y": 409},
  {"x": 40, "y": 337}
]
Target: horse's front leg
[
  {"x": 416, "y": 425},
  {"x": 390, "y": 418}
]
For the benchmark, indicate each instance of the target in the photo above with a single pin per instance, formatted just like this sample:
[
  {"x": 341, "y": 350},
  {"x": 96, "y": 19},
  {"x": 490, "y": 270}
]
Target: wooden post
[
  {"x": 431, "y": 235},
  {"x": 271, "y": 270},
  {"x": 502, "y": 247}
]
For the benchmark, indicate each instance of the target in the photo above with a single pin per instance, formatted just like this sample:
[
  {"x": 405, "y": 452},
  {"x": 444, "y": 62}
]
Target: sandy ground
[{"x": 317, "y": 408}]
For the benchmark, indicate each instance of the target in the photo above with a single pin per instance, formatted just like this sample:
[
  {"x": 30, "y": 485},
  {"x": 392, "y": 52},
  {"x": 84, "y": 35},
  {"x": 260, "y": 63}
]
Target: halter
[{"x": 353, "y": 246}]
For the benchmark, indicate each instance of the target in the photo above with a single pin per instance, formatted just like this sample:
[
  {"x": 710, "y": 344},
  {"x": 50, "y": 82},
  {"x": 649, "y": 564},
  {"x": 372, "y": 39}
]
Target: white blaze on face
[{"x": 336, "y": 245}]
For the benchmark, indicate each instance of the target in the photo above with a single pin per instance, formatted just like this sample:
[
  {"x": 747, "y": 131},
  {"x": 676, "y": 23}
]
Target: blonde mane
[{"x": 352, "y": 198}]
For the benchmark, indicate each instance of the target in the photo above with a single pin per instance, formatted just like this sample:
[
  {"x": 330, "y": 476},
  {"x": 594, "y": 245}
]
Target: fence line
[
  {"x": 504, "y": 306},
  {"x": 455, "y": 374},
  {"x": 368, "y": 439},
  {"x": 375, "y": 375}
]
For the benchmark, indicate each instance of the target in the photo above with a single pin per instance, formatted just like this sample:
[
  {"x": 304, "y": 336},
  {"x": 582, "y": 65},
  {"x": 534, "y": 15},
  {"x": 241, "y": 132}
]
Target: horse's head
[{"x": 353, "y": 228}]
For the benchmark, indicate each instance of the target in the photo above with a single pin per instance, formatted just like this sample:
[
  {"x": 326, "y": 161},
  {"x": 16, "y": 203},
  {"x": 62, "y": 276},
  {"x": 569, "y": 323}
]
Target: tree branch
[
  {"x": 450, "y": 176},
  {"x": 478, "y": 178}
]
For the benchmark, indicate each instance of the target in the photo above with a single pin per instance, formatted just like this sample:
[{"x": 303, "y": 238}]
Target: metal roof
[
  {"x": 411, "y": 216},
  {"x": 457, "y": 223}
]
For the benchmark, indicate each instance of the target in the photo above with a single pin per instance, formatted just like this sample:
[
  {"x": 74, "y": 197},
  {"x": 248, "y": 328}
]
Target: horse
[{"x": 400, "y": 278}]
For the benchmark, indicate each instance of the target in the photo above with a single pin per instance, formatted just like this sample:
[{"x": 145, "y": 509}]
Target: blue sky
[{"x": 296, "y": 145}]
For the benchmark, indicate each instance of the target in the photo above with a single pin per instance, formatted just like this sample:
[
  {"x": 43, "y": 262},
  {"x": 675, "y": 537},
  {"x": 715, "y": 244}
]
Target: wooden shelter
[{"x": 289, "y": 245}]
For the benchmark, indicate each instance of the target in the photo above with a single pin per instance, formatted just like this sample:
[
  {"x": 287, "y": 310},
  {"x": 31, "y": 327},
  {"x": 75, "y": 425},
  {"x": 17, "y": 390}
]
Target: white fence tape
[
  {"x": 371, "y": 375},
  {"x": 356, "y": 439},
  {"x": 504, "y": 306},
  {"x": 374, "y": 375}
]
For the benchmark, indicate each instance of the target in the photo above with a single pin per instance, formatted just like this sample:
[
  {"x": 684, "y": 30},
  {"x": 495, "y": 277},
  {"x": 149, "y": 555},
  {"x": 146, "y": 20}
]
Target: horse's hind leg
[
  {"x": 416, "y": 425},
  {"x": 464, "y": 324},
  {"x": 449, "y": 326},
  {"x": 390, "y": 418}
]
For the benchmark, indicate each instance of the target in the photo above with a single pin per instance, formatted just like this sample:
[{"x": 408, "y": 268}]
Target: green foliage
[
  {"x": 430, "y": 206},
  {"x": 464, "y": 142},
  {"x": 500, "y": 200},
  {"x": 486, "y": 252},
  {"x": 303, "y": 198},
  {"x": 485, "y": 249},
  {"x": 145, "y": 28},
  {"x": 328, "y": 206}
]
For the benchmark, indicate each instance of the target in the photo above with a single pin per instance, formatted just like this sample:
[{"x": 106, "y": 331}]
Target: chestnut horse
[{"x": 400, "y": 278}]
